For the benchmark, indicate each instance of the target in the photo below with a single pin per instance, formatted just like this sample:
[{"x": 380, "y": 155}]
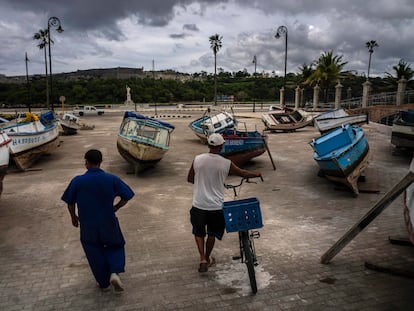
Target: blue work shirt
[{"x": 94, "y": 193}]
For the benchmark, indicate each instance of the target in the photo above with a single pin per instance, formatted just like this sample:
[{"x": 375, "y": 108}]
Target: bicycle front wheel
[{"x": 249, "y": 259}]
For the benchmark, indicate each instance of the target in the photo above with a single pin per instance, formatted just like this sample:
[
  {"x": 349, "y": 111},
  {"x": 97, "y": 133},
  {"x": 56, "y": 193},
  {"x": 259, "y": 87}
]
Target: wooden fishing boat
[
  {"x": 286, "y": 121},
  {"x": 332, "y": 119},
  {"x": 69, "y": 123},
  {"x": 243, "y": 146},
  {"x": 342, "y": 155},
  {"x": 402, "y": 132},
  {"x": 4, "y": 157},
  {"x": 31, "y": 137},
  {"x": 281, "y": 109},
  {"x": 211, "y": 122},
  {"x": 143, "y": 141}
]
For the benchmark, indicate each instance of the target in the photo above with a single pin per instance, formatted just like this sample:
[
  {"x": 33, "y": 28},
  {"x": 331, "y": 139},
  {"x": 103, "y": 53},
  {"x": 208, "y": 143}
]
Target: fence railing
[{"x": 387, "y": 98}]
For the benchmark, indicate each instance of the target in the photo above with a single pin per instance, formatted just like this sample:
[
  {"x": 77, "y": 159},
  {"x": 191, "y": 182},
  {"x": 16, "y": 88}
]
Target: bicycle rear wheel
[{"x": 249, "y": 259}]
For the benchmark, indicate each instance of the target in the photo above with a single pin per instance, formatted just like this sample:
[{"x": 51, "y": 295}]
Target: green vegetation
[{"x": 326, "y": 70}]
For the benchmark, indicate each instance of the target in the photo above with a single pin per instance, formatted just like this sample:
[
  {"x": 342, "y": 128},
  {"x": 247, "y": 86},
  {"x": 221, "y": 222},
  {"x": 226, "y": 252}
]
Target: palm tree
[
  {"x": 305, "y": 72},
  {"x": 215, "y": 45},
  {"x": 402, "y": 70},
  {"x": 328, "y": 71},
  {"x": 42, "y": 37},
  {"x": 370, "y": 46}
]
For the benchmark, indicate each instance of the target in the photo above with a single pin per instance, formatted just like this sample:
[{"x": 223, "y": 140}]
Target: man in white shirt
[{"x": 208, "y": 173}]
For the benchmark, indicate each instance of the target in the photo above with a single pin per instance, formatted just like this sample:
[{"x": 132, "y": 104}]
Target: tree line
[{"x": 244, "y": 88}]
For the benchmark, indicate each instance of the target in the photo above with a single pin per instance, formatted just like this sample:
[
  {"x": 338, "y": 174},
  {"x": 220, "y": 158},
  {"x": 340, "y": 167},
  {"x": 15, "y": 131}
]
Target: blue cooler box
[{"x": 241, "y": 215}]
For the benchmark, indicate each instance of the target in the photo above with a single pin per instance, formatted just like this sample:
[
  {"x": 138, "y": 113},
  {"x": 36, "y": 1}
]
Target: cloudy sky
[{"x": 173, "y": 34}]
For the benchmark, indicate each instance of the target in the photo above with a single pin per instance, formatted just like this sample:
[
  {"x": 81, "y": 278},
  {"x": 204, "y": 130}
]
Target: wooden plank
[
  {"x": 389, "y": 197},
  {"x": 400, "y": 241},
  {"x": 268, "y": 151},
  {"x": 390, "y": 270}
]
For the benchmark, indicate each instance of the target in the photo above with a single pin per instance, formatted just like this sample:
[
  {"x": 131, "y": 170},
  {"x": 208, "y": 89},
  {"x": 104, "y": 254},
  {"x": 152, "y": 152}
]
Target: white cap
[{"x": 215, "y": 140}]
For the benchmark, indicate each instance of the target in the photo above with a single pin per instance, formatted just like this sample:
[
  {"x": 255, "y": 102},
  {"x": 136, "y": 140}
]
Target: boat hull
[
  {"x": 69, "y": 124},
  {"x": 211, "y": 123},
  {"x": 143, "y": 141},
  {"x": 30, "y": 141},
  {"x": 4, "y": 157},
  {"x": 241, "y": 147},
  {"x": 336, "y": 118},
  {"x": 140, "y": 155},
  {"x": 342, "y": 155},
  {"x": 69, "y": 129},
  {"x": 402, "y": 135},
  {"x": 285, "y": 122}
]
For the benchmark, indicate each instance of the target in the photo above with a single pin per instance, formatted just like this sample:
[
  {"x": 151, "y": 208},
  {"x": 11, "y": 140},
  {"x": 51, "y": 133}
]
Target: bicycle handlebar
[{"x": 247, "y": 180}]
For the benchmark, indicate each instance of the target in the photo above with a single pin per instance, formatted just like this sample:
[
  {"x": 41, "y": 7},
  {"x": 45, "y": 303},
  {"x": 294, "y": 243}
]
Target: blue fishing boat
[
  {"x": 342, "y": 154},
  {"x": 242, "y": 146},
  {"x": 143, "y": 141},
  {"x": 402, "y": 135},
  {"x": 211, "y": 123}
]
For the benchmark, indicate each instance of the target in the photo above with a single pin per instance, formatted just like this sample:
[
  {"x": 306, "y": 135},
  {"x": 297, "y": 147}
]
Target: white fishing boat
[
  {"x": 5, "y": 140},
  {"x": 69, "y": 123},
  {"x": 288, "y": 121},
  {"x": 402, "y": 135},
  {"x": 31, "y": 137},
  {"x": 335, "y": 118},
  {"x": 211, "y": 122},
  {"x": 143, "y": 141}
]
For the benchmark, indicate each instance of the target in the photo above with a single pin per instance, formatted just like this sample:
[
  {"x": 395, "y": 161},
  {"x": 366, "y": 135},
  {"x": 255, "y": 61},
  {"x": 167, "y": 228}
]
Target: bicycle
[{"x": 242, "y": 216}]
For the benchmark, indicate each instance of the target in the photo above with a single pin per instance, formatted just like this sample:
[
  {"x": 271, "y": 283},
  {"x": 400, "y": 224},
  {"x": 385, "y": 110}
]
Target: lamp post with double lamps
[
  {"x": 282, "y": 30},
  {"x": 52, "y": 22}
]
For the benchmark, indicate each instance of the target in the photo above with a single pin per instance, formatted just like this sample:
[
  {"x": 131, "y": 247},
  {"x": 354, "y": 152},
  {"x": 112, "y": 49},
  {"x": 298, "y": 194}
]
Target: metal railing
[{"x": 386, "y": 98}]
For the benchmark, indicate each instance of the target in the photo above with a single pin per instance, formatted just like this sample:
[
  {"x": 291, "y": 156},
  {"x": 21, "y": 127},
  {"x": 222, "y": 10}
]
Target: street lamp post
[
  {"x": 55, "y": 22},
  {"x": 282, "y": 30},
  {"x": 255, "y": 64}
]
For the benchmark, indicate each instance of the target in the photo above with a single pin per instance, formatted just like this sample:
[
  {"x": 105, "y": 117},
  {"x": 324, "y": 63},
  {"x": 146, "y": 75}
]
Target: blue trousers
[{"x": 104, "y": 260}]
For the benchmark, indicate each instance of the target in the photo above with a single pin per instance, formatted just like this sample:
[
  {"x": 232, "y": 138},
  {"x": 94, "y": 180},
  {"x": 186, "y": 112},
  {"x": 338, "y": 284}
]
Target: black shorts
[{"x": 212, "y": 220}]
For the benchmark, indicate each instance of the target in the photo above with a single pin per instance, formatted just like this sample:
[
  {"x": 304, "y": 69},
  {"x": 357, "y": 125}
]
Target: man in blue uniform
[{"x": 94, "y": 193}]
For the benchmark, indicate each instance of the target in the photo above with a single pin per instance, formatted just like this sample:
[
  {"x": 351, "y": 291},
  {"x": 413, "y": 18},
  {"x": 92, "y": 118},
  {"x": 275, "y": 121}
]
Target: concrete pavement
[{"x": 42, "y": 265}]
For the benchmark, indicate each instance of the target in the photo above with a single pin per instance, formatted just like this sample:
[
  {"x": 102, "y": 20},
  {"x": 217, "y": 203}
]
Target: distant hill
[{"x": 117, "y": 73}]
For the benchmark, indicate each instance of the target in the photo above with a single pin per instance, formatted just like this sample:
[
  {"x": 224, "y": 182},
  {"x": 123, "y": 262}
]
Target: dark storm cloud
[
  {"x": 103, "y": 33},
  {"x": 103, "y": 15}
]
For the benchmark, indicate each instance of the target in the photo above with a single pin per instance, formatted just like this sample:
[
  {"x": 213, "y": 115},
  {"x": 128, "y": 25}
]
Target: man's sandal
[
  {"x": 211, "y": 261},
  {"x": 203, "y": 267}
]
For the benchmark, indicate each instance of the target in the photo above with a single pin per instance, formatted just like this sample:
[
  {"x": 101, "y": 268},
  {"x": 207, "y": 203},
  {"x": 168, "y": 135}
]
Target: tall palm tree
[
  {"x": 329, "y": 69},
  {"x": 42, "y": 37},
  {"x": 370, "y": 45},
  {"x": 215, "y": 45}
]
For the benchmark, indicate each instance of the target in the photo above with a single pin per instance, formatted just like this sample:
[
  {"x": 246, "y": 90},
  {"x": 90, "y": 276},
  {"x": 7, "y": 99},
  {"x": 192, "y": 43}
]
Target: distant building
[{"x": 117, "y": 73}]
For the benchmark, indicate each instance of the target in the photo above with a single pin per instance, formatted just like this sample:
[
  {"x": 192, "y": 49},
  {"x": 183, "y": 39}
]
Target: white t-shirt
[{"x": 210, "y": 173}]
